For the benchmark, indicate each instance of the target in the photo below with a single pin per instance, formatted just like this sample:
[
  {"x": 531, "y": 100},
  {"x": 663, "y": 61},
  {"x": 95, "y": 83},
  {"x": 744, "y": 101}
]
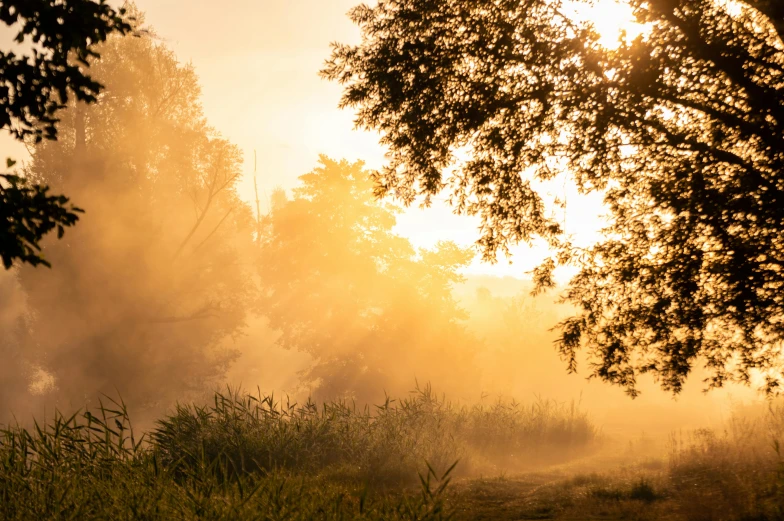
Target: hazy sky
[{"x": 258, "y": 62}]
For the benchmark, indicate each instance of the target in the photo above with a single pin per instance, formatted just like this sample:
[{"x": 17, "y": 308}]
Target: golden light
[{"x": 613, "y": 20}]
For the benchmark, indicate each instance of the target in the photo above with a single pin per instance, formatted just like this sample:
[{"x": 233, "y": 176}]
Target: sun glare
[
  {"x": 733, "y": 7},
  {"x": 613, "y": 20}
]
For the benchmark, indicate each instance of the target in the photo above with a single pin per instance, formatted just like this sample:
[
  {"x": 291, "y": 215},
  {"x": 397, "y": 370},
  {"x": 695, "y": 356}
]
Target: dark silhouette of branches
[
  {"x": 33, "y": 89},
  {"x": 682, "y": 129}
]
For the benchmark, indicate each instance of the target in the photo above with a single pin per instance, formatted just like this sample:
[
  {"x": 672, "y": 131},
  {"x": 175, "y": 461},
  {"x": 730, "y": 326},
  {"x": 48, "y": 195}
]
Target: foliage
[
  {"x": 90, "y": 466},
  {"x": 250, "y": 457},
  {"x": 247, "y": 458},
  {"x": 341, "y": 285},
  {"x": 149, "y": 289},
  {"x": 681, "y": 129},
  {"x": 65, "y": 34},
  {"x": 33, "y": 88},
  {"x": 30, "y": 213}
]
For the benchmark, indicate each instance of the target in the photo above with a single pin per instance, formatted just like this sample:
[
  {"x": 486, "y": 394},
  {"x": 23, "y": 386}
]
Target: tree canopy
[
  {"x": 62, "y": 37},
  {"x": 338, "y": 283},
  {"x": 682, "y": 129},
  {"x": 150, "y": 287}
]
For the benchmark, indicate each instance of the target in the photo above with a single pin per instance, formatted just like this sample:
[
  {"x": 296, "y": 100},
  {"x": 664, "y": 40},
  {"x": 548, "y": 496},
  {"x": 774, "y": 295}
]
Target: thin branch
[
  {"x": 210, "y": 197},
  {"x": 187, "y": 318},
  {"x": 167, "y": 99},
  {"x": 214, "y": 229}
]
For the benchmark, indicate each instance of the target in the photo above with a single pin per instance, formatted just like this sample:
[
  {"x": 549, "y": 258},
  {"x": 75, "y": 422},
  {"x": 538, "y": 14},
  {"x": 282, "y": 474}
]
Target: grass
[
  {"x": 735, "y": 474},
  {"x": 251, "y": 457},
  {"x": 385, "y": 444}
]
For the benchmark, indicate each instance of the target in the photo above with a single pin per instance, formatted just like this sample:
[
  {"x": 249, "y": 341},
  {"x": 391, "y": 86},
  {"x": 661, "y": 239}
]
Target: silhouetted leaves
[
  {"x": 682, "y": 129},
  {"x": 33, "y": 88},
  {"x": 30, "y": 213}
]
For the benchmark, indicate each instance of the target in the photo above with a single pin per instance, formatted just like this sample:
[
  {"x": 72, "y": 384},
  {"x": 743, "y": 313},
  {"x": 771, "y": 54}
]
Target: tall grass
[
  {"x": 386, "y": 443},
  {"x": 737, "y": 473},
  {"x": 90, "y": 466},
  {"x": 252, "y": 457}
]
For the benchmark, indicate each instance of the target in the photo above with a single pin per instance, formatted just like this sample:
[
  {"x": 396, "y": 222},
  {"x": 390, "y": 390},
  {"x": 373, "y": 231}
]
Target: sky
[{"x": 258, "y": 62}]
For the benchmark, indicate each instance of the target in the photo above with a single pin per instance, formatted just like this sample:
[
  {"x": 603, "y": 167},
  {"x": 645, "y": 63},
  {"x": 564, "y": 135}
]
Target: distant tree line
[{"x": 149, "y": 293}]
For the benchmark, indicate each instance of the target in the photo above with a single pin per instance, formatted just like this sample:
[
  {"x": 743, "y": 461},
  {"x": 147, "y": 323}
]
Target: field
[{"x": 253, "y": 457}]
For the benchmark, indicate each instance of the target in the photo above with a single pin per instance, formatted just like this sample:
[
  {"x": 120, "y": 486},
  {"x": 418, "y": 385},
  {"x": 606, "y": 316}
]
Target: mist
[
  {"x": 272, "y": 308},
  {"x": 179, "y": 280}
]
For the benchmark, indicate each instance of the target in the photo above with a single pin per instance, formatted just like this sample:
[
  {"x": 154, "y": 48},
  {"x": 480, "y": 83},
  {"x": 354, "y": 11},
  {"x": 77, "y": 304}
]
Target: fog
[{"x": 175, "y": 282}]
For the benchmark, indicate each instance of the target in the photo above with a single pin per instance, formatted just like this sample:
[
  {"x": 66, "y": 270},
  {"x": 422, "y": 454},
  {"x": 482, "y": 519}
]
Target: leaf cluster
[
  {"x": 681, "y": 129},
  {"x": 34, "y": 87},
  {"x": 31, "y": 212}
]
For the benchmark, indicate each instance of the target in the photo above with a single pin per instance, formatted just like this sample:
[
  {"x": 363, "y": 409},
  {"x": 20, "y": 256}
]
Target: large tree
[
  {"x": 151, "y": 286},
  {"x": 681, "y": 128},
  {"x": 34, "y": 86},
  {"x": 338, "y": 283}
]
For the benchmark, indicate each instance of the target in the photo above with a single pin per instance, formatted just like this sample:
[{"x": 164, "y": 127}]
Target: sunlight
[
  {"x": 733, "y": 7},
  {"x": 240, "y": 327},
  {"x": 613, "y": 20}
]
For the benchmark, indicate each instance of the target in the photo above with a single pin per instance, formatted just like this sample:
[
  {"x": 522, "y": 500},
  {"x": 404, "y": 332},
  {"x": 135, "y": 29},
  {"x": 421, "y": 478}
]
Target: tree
[
  {"x": 338, "y": 283},
  {"x": 33, "y": 89},
  {"x": 681, "y": 128},
  {"x": 151, "y": 287}
]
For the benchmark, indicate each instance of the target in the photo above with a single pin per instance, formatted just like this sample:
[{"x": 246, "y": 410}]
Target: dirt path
[
  {"x": 574, "y": 492},
  {"x": 502, "y": 499}
]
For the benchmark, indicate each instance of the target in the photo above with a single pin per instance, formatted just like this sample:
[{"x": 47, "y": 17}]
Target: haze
[{"x": 257, "y": 63}]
